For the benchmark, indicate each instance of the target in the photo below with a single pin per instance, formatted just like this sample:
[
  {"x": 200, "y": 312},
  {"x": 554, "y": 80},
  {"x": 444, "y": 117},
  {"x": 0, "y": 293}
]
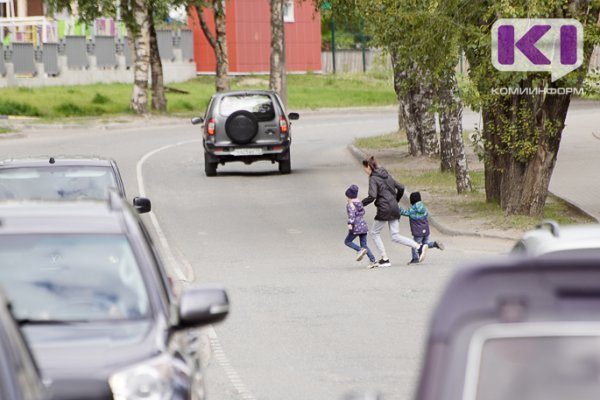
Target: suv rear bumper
[{"x": 247, "y": 154}]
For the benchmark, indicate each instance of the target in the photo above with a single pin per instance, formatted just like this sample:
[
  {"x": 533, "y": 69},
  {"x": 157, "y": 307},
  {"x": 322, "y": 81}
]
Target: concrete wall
[{"x": 174, "y": 71}]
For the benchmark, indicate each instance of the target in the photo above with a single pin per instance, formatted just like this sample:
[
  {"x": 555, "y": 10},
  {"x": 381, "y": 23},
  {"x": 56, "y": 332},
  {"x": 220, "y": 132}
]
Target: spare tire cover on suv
[{"x": 241, "y": 127}]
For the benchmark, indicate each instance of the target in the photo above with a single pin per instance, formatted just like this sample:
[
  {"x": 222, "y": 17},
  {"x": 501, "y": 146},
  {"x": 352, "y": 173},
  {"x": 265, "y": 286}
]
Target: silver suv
[
  {"x": 551, "y": 239},
  {"x": 246, "y": 126}
]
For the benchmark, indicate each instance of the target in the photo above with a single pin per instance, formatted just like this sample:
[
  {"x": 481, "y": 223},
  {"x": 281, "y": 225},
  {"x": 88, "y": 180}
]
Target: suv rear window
[
  {"x": 553, "y": 363},
  {"x": 258, "y": 104}
]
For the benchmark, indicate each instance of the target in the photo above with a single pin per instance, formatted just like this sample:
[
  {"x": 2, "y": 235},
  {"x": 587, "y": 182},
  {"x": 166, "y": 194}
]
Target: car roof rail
[{"x": 553, "y": 225}]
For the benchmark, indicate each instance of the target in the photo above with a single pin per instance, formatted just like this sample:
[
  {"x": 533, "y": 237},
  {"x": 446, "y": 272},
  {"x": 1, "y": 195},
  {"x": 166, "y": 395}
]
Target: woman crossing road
[{"x": 386, "y": 192}]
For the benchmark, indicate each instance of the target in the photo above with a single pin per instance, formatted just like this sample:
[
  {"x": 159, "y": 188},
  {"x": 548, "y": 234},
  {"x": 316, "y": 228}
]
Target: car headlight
[{"x": 150, "y": 380}]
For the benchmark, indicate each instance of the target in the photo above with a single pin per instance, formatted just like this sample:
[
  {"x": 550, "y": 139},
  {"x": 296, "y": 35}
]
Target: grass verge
[
  {"x": 4, "y": 130},
  {"x": 309, "y": 91}
]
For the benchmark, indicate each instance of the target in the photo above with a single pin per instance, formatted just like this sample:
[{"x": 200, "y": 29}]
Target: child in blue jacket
[
  {"x": 419, "y": 225},
  {"x": 357, "y": 226}
]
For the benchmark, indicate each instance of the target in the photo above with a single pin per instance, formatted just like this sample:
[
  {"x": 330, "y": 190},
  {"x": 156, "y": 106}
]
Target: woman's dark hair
[{"x": 371, "y": 163}]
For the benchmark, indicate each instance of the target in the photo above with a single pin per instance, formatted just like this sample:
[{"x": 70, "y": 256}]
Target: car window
[
  {"x": 56, "y": 183},
  {"x": 534, "y": 361},
  {"x": 72, "y": 277},
  {"x": 259, "y": 105},
  {"x": 540, "y": 368}
]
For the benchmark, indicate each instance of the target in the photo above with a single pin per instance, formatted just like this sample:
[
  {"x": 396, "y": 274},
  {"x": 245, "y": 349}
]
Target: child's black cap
[{"x": 415, "y": 197}]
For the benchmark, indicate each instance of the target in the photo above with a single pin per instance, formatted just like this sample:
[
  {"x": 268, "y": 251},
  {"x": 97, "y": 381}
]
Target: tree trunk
[
  {"x": 218, "y": 42},
  {"x": 522, "y": 134},
  {"x": 446, "y": 151},
  {"x": 278, "y": 79},
  {"x": 425, "y": 115},
  {"x": 159, "y": 101},
  {"x": 139, "y": 31},
  {"x": 415, "y": 114},
  {"x": 453, "y": 146},
  {"x": 222, "y": 77}
]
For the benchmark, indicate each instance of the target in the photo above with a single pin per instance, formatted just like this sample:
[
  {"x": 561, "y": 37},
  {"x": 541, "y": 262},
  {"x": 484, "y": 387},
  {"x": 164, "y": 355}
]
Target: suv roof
[
  {"x": 244, "y": 92},
  {"x": 550, "y": 238}
]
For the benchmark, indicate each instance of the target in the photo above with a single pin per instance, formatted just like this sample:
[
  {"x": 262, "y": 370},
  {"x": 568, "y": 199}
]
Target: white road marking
[
  {"x": 171, "y": 260},
  {"x": 209, "y": 331}
]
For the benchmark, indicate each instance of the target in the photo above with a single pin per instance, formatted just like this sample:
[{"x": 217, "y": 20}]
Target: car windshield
[
  {"x": 540, "y": 368},
  {"x": 72, "y": 277},
  {"x": 260, "y": 105},
  {"x": 55, "y": 183}
]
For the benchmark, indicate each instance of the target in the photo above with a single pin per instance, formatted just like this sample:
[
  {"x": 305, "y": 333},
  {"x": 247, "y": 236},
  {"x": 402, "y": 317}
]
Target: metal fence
[
  {"x": 186, "y": 43},
  {"x": 78, "y": 60},
  {"x": 105, "y": 49},
  {"x": 22, "y": 58},
  {"x": 2, "y": 64},
  {"x": 76, "y": 50},
  {"x": 165, "y": 40},
  {"x": 50, "y": 59}
]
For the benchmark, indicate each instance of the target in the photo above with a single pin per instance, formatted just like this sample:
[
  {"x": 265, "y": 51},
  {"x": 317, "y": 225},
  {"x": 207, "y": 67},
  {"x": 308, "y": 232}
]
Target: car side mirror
[
  {"x": 197, "y": 120},
  {"x": 142, "y": 204},
  {"x": 200, "y": 306},
  {"x": 294, "y": 116}
]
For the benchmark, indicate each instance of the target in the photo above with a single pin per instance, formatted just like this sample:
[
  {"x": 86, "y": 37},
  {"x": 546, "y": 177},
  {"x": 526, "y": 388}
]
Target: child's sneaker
[
  {"x": 421, "y": 251},
  {"x": 438, "y": 245},
  {"x": 372, "y": 264},
  {"x": 413, "y": 261},
  {"x": 361, "y": 254},
  {"x": 384, "y": 263}
]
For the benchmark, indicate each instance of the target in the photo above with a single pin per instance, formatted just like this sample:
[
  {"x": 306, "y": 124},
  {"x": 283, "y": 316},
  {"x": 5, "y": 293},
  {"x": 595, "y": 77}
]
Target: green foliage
[
  {"x": 100, "y": 99},
  {"x": 9, "y": 107},
  {"x": 69, "y": 109}
]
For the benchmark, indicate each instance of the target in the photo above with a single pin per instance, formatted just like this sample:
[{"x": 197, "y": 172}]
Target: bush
[
  {"x": 69, "y": 109},
  {"x": 8, "y": 107},
  {"x": 100, "y": 99}
]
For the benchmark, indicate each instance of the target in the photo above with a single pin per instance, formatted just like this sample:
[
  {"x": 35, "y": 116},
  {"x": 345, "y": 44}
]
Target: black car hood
[{"x": 78, "y": 359}]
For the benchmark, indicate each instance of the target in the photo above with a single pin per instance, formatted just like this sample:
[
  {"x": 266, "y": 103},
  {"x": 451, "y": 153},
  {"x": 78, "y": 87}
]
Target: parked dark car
[
  {"x": 549, "y": 239},
  {"x": 50, "y": 178},
  {"x": 526, "y": 328},
  {"x": 19, "y": 375},
  {"x": 246, "y": 126},
  {"x": 96, "y": 304}
]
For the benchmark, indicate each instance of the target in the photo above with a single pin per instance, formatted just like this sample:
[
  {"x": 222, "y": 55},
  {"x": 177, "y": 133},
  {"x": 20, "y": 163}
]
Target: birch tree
[
  {"x": 278, "y": 76},
  {"x": 218, "y": 40}
]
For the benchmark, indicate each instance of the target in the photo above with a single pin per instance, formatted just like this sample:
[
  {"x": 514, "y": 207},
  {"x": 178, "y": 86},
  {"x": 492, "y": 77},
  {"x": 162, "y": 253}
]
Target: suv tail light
[
  {"x": 283, "y": 125},
  {"x": 210, "y": 126}
]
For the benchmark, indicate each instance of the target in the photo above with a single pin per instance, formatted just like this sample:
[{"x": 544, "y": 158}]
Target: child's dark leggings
[{"x": 349, "y": 241}]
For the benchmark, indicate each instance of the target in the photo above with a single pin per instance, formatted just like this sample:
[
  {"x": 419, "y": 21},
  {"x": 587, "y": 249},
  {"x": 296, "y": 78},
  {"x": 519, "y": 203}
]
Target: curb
[{"x": 361, "y": 155}]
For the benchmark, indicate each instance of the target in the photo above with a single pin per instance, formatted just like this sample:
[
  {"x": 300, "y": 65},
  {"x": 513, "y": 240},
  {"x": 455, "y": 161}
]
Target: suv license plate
[{"x": 247, "y": 152}]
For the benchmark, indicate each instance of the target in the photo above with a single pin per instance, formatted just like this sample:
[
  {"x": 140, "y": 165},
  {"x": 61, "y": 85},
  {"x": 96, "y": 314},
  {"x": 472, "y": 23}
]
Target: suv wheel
[
  {"x": 241, "y": 127},
  {"x": 210, "y": 168},
  {"x": 285, "y": 166}
]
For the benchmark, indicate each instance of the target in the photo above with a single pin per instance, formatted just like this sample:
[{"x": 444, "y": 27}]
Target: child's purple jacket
[{"x": 356, "y": 213}]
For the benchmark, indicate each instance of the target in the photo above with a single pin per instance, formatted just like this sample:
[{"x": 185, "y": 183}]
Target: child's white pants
[{"x": 394, "y": 227}]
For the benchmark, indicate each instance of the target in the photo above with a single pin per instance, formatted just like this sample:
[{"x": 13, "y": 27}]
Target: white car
[{"x": 551, "y": 239}]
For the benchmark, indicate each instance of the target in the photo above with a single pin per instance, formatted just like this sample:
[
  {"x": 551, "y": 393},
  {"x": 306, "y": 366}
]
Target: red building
[{"x": 249, "y": 37}]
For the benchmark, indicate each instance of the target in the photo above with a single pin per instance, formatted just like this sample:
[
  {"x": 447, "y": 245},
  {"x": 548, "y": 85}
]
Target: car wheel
[
  {"x": 241, "y": 127},
  {"x": 210, "y": 168},
  {"x": 285, "y": 166}
]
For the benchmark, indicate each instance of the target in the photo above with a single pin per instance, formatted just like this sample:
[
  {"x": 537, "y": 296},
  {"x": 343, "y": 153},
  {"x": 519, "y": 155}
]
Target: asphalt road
[{"x": 307, "y": 321}]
